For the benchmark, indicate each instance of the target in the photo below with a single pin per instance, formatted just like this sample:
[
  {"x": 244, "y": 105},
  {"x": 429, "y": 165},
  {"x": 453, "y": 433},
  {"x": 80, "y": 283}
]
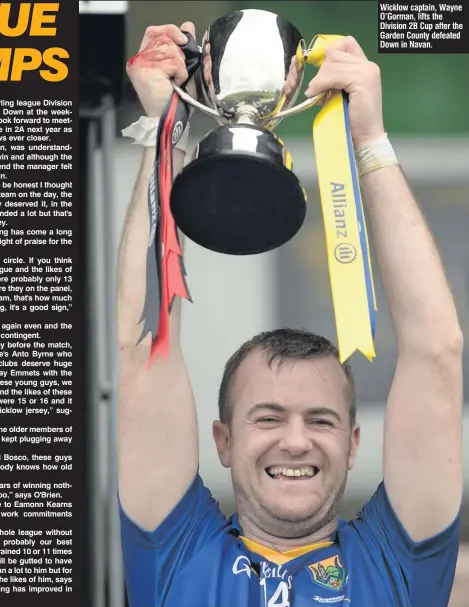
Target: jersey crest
[{"x": 329, "y": 573}]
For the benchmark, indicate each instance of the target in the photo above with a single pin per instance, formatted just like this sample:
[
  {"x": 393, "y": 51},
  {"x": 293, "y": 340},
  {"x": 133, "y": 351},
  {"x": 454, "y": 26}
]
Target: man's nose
[{"x": 296, "y": 439}]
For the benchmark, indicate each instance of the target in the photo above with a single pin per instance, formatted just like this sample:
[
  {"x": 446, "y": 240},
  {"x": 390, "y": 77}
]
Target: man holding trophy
[{"x": 287, "y": 427}]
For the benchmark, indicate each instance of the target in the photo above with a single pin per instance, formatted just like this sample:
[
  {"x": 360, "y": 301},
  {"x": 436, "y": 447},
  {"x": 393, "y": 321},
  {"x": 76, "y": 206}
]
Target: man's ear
[
  {"x": 354, "y": 444},
  {"x": 222, "y": 438}
]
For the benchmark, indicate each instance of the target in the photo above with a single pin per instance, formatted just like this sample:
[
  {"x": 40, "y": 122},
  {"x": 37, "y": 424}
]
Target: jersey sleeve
[
  {"x": 152, "y": 558},
  {"x": 427, "y": 567}
]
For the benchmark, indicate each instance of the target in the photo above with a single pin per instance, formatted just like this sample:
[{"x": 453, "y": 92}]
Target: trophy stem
[{"x": 247, "y": 114}]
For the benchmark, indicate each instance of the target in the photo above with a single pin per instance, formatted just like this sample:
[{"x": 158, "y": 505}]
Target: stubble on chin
[
  {"x": 284, "y": 522},
  {"x": 302, "y": 523}
]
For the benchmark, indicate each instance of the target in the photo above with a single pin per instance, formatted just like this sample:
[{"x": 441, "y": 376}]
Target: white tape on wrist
[
  {"x": 144, "y": 131},
  {"x": 375, "y": 156}
]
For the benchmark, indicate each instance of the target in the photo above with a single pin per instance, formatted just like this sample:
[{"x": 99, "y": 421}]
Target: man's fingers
[
  {"x": 347, "y": 44},
  {"x": 175, "y": 33},
  {"x": 158, "y": 49},
  {"x": 344, "y": 67},
  {"x": 334, "y": 76},
  {"x": 154, "y": 32},
  {"x": 161, "y": 55},
  {"x": 189, "y": 27},
  {"x": 354, "y": 48},
  {"x": 174, "y": 70},
  {"x": 171, "y": 51},
  {"x": 338, "y": 56}
]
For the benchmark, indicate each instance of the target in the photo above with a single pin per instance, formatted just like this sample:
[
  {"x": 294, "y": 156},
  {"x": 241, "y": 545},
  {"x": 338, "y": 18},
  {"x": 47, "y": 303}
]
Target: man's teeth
[{"x": 307, "y": 471}]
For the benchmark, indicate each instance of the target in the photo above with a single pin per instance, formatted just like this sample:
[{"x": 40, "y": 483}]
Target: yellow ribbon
[{"x": 348, "y": 252}]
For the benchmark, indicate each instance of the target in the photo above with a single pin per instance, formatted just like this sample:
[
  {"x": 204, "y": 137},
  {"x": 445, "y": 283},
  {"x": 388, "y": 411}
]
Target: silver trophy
[{"x": 238, "y": 195}]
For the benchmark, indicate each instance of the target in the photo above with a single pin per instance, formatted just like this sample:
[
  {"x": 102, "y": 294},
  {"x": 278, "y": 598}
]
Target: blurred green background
[{"x": 423, "y": 94}]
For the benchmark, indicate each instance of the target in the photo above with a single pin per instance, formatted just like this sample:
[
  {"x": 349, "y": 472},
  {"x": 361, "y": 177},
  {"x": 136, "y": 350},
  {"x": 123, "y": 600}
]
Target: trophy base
[{"x": 238, "y": 202}]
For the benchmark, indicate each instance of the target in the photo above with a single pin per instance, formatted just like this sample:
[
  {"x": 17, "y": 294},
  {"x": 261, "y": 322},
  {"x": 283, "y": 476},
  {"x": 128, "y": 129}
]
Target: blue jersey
[{"x": 198, "y": 558}]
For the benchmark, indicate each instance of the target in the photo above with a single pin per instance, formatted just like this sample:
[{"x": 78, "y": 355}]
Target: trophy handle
[
  {"x": 194, "y": 103},
  {"x": 184, "y": 95},
  {"x": 317, "y": 100},
  {"x": 314, "y": 55}
]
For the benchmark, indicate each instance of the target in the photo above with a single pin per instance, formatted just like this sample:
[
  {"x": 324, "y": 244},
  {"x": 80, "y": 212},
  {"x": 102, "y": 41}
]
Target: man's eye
[
  {"x": 321, "y": 422},
  {"x": 268, "y": 420}
]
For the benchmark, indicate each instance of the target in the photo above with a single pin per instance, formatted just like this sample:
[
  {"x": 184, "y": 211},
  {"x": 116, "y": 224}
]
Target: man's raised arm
[
  {"x": 423, "y": 427},
  {"x": 158, "y": 443},
  {"x": 423, "y": 430}
]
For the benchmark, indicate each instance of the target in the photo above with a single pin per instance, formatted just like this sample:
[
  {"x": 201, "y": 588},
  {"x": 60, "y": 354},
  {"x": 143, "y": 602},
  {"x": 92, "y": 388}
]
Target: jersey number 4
[{"x": 279, "y": 598}]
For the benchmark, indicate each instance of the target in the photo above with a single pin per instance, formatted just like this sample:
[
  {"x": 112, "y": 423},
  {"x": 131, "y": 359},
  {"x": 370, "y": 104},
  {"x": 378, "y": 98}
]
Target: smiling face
[{"x": 289, "y": 444}]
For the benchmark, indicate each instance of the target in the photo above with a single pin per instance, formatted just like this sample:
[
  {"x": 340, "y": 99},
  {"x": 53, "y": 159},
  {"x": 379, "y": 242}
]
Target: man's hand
[
  {"x": 159, "y": 60},
  {"x": 346, "y": 68}
]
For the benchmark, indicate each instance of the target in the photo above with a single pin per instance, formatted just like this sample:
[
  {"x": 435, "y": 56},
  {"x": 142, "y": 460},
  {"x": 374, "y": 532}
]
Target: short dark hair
[{"x": 281, "y": 345}]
